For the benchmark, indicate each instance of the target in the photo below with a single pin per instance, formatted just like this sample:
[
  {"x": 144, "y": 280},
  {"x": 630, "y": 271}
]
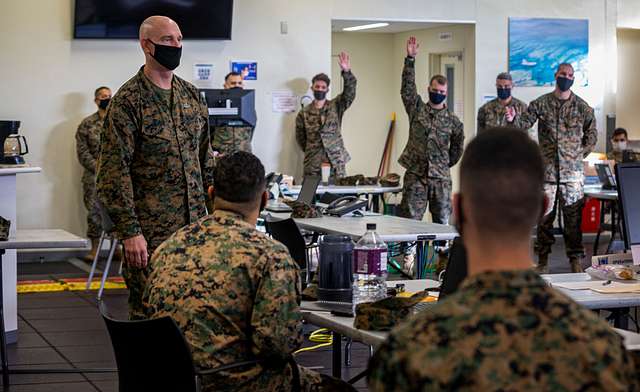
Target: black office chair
[
  {"x": 153, "y": 355},
  {"x": 287, "y": 232}
]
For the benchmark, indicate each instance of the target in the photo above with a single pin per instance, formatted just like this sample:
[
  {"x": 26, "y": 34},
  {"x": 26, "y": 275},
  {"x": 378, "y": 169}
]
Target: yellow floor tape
[{"x": 45, "y": 286}]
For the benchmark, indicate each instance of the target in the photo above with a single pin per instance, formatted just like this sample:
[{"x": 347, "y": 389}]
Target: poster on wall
[
  {"x": 538, "y": 45},
  {"x": 249, "y": 69}
]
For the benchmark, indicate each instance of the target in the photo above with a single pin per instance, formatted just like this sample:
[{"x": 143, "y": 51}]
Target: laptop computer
[
  {"x": 605, "y": 176},
  {"x": 307, "y": 195}
]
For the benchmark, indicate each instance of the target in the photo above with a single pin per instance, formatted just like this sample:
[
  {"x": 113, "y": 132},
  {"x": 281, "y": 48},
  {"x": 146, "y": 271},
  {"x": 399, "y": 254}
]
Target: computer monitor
[
  {"x": 628, "y": 179},
  {"x": 234, "y": 106},
  {"x": 308, "y": 190},
  {"x": 605, "y": 176},
  {"x": 456, "y": 270}
]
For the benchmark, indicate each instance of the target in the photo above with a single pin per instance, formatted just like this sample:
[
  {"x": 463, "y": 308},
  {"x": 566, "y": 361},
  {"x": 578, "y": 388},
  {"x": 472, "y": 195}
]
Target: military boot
[
  {"x": 92, "y": 253},
  {"x": 575, "y": 264},
  {"x": 543, "y": 264}
]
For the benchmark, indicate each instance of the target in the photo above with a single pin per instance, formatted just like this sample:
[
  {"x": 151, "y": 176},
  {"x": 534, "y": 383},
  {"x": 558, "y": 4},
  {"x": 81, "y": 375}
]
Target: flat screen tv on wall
[{"x": 120, "y": 19}]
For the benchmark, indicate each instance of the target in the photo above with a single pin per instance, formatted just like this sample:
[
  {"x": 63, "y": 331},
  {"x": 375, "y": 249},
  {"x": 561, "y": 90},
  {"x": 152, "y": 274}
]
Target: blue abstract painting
[{"x": 538, "y": 45}]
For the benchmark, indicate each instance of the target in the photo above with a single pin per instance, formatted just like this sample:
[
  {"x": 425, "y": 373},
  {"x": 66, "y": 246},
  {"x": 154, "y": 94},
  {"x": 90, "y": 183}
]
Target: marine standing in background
[
  {"x": 436, "y": 140},
  {"x": 318, "y": 124},
  {"x": 227, "y": 139},
  {"x": 88, "y": 150},
  {"x": 566, "y": 134},
  {"x": 156, "y": 158},
  {"x": 494, "y": 113}
]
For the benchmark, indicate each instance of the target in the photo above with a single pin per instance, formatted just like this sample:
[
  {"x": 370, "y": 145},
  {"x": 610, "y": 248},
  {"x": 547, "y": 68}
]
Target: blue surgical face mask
[
  {"x": 504, "y": 93},
  {"x": 436, "y": 98}
]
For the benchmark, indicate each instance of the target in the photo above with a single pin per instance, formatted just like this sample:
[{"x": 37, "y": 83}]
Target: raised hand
[
  {"x": 412, "y": 47},
  {"x": 344, "y": 62},
  {"x": 511, "y": 113}
]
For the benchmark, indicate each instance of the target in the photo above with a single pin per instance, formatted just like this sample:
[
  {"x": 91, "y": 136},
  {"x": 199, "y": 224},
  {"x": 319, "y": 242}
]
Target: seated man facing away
[
  {"x": 233, "y": 291},
  {"x": 504, "y": 329}
]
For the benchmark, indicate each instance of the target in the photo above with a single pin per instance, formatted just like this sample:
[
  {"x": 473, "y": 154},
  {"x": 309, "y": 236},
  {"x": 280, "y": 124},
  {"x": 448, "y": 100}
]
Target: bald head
[{"x": 154, "y": 24}]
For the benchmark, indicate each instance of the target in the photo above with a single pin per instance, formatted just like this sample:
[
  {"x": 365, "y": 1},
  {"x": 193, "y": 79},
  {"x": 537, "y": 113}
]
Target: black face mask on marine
[
  {"x": 436, "y": 98},
  {"x": 564, "y": 84},
  {"x": 104, "y": 103},
  {"x": 504, "y": 93},
  {"x": 167, "y": 56},
  {"x": 319, "y": 95}
]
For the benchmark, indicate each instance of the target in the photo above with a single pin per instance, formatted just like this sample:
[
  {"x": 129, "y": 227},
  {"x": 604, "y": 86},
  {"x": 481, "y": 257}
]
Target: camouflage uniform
[
  {"x": 503, "y": 331},
  {"x": 566, "y": 133},
  {"x": 318, "y": 132},
  {"x": 492, "y": 113},
  {"x": 615, "y": 156},
  {"x": 235, "y": 294},
  {"x": 229, "y": 139},
  {"x": 436, "y": 139},
  {"x": 155, "y": 166},
  {"x": 88, "y": 150}
]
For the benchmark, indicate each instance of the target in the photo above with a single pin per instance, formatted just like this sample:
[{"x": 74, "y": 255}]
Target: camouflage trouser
[
  {"x": 90, "y": 198},
  {"x": 568, "y": 198},
  {"x": 417, "y": 191},
  {"x": 337, "y": 171},
  {"x": 136, "y": 281}
]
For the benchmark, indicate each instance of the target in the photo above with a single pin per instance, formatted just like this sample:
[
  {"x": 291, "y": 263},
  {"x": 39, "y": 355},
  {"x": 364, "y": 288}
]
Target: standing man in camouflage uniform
[
  {"x": 318, "y": 124},
  {"x": 567, "y": 134},
  {"x": 233, "y": 291},
  {"x": 227, "y": 139},
  {"x": 88, "y": 150},
  {"x": 504, "y": 329},
  {"x": 436, "y": 140},
  {"x": 493, "y": 113},
  {"x": 156, "y": 155}
]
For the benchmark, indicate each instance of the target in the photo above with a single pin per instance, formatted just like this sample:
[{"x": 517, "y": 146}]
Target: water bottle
[{"x": 369, "y": 267}]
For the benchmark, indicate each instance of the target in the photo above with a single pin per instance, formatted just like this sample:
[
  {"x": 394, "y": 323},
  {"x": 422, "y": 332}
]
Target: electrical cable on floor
[{"x": 322, "y": 336}]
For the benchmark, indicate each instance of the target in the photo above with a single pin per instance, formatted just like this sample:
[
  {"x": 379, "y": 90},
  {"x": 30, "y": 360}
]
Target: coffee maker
[{"x": 11, "y": 144}]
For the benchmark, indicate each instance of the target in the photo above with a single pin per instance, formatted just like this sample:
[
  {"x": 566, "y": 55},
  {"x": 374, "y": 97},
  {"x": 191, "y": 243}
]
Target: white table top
[
  {"x": 597, "y": 192},
  {"x": 345, "y": 189},
  {"x": 44, "y": 239},
  {"x": 7, "y": 170},
  {"x": 344, "y": 325},
  {"x": 390, "y": 228},
  {"x": 590, "y": 299}
]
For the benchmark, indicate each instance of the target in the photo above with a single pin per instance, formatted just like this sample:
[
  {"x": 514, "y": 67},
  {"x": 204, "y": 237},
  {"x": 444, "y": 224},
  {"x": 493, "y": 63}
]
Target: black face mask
[
  {"x": 564, "y": 84},
  {"x": 167, "y": 56},
  {"x": 104, "y": 103},
  {"x": 319, "y": 95},
  {"x": 504, "y": 93},
  {"x": 436, "y": 98}
]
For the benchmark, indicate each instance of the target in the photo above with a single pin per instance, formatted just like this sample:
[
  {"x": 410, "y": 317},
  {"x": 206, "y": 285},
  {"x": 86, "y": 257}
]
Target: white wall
[
  {"x": 365, "y": 124},
  {"x": 628, "y": 14},
  {"x": 628, "y": 95},
  {"x": 46, "y": 78}
]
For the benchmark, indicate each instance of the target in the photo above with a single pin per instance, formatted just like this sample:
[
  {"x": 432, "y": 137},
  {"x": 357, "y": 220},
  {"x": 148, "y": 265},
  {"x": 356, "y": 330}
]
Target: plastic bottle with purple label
[{"x": 369, "y": 267}]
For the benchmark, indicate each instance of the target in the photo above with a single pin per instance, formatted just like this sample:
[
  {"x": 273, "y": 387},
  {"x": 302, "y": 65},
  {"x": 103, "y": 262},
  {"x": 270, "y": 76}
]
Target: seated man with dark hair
[
  {"x": 619, "y": 140},
  {"x": 504, "y": 329},
  {"x": 233, "y": 291}
]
